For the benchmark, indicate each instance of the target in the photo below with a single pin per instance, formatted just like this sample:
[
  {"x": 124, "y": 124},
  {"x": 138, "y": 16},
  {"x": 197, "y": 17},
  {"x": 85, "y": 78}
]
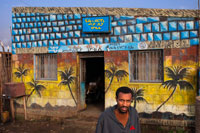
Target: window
[
  {"x": 146, "y": 66},
  {"x": 46, "y": 66}
]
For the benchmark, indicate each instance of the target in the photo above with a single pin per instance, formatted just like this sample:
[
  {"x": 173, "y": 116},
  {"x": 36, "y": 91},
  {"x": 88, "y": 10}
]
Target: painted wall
[{"x": 62, "y": 34}]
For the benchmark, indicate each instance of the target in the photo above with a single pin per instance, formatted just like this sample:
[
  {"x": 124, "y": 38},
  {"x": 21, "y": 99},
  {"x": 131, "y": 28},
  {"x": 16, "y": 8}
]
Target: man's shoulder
[{"x": 106, "y": 112}]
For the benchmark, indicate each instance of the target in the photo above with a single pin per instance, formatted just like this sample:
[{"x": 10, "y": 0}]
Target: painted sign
[{"x": 96, "y": 24}]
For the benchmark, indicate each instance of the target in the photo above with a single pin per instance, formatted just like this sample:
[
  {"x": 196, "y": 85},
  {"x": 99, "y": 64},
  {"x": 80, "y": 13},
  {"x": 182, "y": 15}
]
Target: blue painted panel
[
  {"x": 44, "y": 24},
  {"x": 58, "y": 35},
  {"x": 62, "y": 29},
  {"x": 26, "y": 25},
  {"x": 78, "y": 21},
  {"x": 141, "y": 20},
  {"x": 117, "y": 30},
  {"x": 16, "y": 38},
  {"x": 13, "y": 45},
  {"x": 131, "y": 29},
  {"x": 65, "y": 17},
  {"x": 77, "y": 33},
  {"x": 59, "y": 17},
  {"x": 150, "y": 36},
  {"x": 50, "y": 43},
  {"x": 68, "y": 28},
  {"x": 28, "y": 44},
  {"x": 155, "y": 27},
  {"x": 194, "y": 41},
  {"x": 20, "y": 32},
  {"x": 120, "y": 38},
  {"x": 27, "y": 38},
  {"x": 34, "y": 30},
  {"x": 32, "y": 14},
  {"x": 184, "y": 34},
  {"x": 196, "y": 25},
  {"x": 124, "y": 30},
  {"x": 75, "y": 41},
  {"x": 22, "y": 25},
  {"x": 34, "y": 44},
  {"x": 13, "y": 14},
  {"x": 19, "y": 20},
  {"x": 181, "y": 25},
  {"x": 13, "y": 25},
  {"x": 147, "y": 27},
  {"x": 175, "y": 35},
  {"x": 32, "y": 19},
  {"x": 18, "y": 45},
  {"x": 99, "y": 40},
  {"x": 70, "y": 16},
  {"x": 35, "y": 24},
  {"x": 74, "y": 27},
  {"x": 82, "y": 96},
  {"x": 172, "y": 26},
  {"x": 71, "y": 34},
  {"x": 17, "y": 14},
  {"x": 55, "y": 29},
  {"x": 66, "y": 23},
  {"x": 153, "y": 19},
  {"x": 131, "y": 22},
  {"x": 55, "y": 43},
  {"x": 39, "y": 24},
  {"x": 96, "y": 24},
  {"x": 121, "y": 22},
  {"x": 106, "y": 39},
  {"x": 93, "y": 40},
  {"x": 42, "y": 36},
  {"x": 166, "y": 36},
  {"x": 22, "y": 38},
  {"x": 62, "y": 42},
  {"x": 44, "y": 43},
  {"x": 64, "y": 35},
  {"x": 49, "y": 29},
  {"x": 136, "y": 37},
  {"x": 14, "y": 20},
  {"x": 143, "y": 37},
  {"x": 114, "y": 24},
  {"x": 13, "y": 51},
  {"x": 37, "y": 19},
  {"x": 113, "y": 39},
  {"x": 128, "y": 38},
  {"x": 23, "y": 20},
  {"x": 52, "y": 17},
  {"x": 193, "y": 34},
  {"x": 52, "y": 36},
  {"x": 54, "y": 23},
  {"x": 163, "y": 26},
  {"x": 37, "y": 37},
  {"x": 80, "y": 40},
  {"x": 189, "y": 25},
  {"x": 39, "y": 30},
  {"x": 45, "y": 30},
  {"x": 61, "y": 23},
  {"x": 158, "y": 37},
  {"x": 174, "y": 18},
  {"x": 48, "y": 24},
  {"x": 69, "y": 42},
  {"x": 87, "y": 40},
  {"x": 116, "y": 18},
  {"x": 30, "y": 25},
  {"x": 139, "y": 28},
  {"x": 126, "y": 17},
  {"x": 28, "y": 19},
  {"x": 39, "y": 43},
  {"x": 14, "y": 32},
  {"x": 72, "y": 22},
  {"x": 17, "y": 26},
  {"x": 77, "y": 16},
  {"x": 23, "y": 45}
]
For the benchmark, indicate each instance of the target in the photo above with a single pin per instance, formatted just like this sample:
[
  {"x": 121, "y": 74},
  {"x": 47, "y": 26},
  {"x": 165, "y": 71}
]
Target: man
[{"x": 121, "y": 118}]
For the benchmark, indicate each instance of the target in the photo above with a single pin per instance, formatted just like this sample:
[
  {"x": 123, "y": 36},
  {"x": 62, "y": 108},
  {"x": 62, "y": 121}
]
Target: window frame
[
  {"x": 35, "y": 68},
  {"x": 131, "y": 80}
]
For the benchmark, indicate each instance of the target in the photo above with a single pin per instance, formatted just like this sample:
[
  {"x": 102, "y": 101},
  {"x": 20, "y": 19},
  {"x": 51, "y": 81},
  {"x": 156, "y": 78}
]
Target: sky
[{"x": 7, "y": 5}]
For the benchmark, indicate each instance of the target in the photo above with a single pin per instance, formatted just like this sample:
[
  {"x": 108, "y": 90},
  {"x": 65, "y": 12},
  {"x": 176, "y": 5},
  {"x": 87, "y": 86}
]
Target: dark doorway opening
[{"x": 95, "y": 82}]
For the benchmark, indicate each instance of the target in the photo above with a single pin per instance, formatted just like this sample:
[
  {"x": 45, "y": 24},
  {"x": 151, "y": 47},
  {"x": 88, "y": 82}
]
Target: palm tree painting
[
  {"x": 112, "y": 72},
  {"x": 21, "y": 72},
  {"x": 67, "y": 79},
  {"x": 138, "y": 96},
  {"x": 177, "y": 75},
  {"x": 36, "y": 87}
]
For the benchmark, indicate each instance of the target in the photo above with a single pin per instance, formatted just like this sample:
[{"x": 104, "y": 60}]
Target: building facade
[{"x": 70, "y": 58}]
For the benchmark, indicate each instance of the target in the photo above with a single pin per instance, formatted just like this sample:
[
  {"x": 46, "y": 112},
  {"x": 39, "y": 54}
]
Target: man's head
[{"x": 124, "y": 97}]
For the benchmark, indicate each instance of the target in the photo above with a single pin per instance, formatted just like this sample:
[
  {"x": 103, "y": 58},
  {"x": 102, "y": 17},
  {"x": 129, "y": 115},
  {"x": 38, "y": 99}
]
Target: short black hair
[{"x": 124, "y": 89}]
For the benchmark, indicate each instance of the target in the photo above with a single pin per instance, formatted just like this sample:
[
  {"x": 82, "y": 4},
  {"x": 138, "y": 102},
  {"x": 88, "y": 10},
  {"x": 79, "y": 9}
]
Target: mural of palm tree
[
  {"x": 21, "y": 72},
  {"x": 68, "y": 78},
  {"x": 138, "y": 96},
  {"x": 112, "y": 72},
  {"x": 177, "y": 75},
  {"x": 35, "y": 87}
]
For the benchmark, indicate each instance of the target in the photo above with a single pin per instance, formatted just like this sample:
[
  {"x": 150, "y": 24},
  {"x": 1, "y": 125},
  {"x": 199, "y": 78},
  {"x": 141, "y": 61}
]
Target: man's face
[{"x": 124, "y": 102}]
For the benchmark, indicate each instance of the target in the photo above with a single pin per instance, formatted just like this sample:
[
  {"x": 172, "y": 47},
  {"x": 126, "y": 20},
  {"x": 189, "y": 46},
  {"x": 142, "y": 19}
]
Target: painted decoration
[{"x": 96, "y": 24}]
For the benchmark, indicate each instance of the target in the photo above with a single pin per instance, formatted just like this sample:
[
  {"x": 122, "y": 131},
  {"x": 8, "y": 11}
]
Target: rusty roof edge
[{"x": 110, "y": 11}]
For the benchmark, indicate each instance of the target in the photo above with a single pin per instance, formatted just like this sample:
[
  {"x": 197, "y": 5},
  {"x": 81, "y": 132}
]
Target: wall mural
[
  {"x": 177, "y": 74},
  {"x": 36, "y": 87},
  {"x": 138, "y": 96},
  {"x": 67, "y": 79},
  {"x": 112, "y": 72},
  {"x": 21, "y": 72}
]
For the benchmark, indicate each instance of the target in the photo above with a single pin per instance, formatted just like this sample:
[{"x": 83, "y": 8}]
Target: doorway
[{"x": 92, "y": 74}]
